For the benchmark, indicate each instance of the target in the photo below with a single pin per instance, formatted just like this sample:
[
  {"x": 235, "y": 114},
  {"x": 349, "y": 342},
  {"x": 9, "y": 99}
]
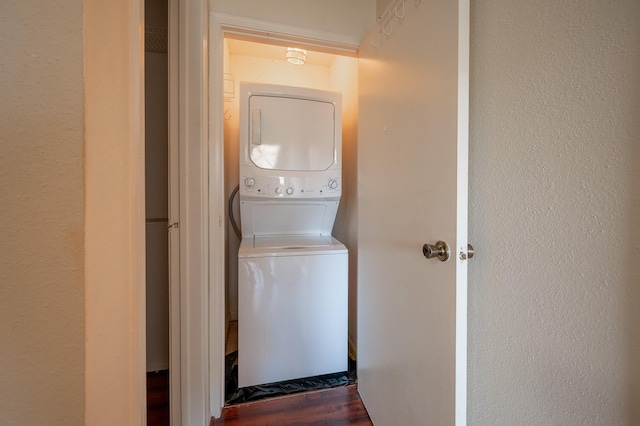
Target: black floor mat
[{"x": 255, "y": 393}]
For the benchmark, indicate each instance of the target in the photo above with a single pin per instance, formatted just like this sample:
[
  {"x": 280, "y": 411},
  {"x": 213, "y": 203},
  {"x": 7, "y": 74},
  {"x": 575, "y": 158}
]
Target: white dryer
[{"x": 292, "y": 274}]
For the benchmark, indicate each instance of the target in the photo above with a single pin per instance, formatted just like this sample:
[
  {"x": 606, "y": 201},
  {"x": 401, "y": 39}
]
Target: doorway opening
[
  {"x": 260, "y": 60},
  {"x": 156, "y": 59}
]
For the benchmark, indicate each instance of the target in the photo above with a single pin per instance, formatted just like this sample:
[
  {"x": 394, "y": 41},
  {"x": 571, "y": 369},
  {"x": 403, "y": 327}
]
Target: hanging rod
[{"x": 385, "y": 21}]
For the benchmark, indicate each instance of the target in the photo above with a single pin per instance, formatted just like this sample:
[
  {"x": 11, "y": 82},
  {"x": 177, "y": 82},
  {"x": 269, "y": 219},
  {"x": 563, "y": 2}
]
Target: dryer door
[{"x": 291, "y": 133}]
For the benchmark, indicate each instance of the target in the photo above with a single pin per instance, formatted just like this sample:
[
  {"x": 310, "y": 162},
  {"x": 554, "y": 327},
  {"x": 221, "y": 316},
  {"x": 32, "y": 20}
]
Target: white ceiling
[{"x": 261, "y": 50}]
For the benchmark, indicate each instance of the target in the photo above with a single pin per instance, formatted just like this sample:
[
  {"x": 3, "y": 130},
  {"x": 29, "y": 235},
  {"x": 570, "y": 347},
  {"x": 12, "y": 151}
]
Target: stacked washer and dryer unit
[{"x": 292, "y": 274}]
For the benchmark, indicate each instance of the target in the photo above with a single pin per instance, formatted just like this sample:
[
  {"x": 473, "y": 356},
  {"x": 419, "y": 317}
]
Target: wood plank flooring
[
  {"x": 332, "y": 407},
  {"x": 337, "y": 406},
  {"x": 158, "y": 398}
]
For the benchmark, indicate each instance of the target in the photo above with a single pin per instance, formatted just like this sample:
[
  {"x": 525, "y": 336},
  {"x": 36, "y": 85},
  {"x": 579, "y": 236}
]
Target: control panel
[{"x": 290, "y": 187}]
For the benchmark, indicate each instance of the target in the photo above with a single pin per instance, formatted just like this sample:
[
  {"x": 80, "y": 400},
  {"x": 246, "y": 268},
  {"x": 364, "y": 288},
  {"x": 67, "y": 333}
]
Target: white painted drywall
[
  {"x": 554, "y": 213},
  {"x": 71, "y": 303},
  {"x": 353, "y": 17},
  {"x": 42, "y": 212},
  {"x": 382, "y": 6}
]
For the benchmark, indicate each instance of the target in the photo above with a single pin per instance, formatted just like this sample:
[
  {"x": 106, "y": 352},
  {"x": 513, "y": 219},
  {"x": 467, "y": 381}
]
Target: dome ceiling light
[{"x": 296, "y": 56}]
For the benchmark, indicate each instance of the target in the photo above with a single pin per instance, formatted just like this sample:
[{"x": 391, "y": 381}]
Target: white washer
[
  {"x": 292, "y": 308},
  {"x": 292, "y": 274}
]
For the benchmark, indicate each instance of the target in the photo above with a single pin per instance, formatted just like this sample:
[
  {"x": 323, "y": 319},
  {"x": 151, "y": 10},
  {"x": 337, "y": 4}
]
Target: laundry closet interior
[{"x": 253, "y": 66}]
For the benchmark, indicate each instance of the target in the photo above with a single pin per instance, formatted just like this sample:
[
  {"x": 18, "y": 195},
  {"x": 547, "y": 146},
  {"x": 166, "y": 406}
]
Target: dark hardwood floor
[
  {"x": 337, "y": 406},
  {"x": 158, "y": 398}
]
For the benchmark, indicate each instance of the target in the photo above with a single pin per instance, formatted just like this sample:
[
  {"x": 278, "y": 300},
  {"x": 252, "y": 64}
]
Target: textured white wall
[
  {"x": 381, "y": 6},
  {"x": 41, "y": 248},
  {"x": 554, "y": 212},
  {"x": 114, "y": 213},
  {"x": 114, "y": 268}
]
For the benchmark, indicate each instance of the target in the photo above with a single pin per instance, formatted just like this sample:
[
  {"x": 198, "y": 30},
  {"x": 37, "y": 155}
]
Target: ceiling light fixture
[{"x": 296, "y": 56}]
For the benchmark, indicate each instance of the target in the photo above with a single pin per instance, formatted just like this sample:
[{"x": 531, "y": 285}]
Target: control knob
[
  {"x": 333, "y": 184},
  {"x": 289, "y": 190},
  {"x": 278, "y": 191},
  {"x": 249, "y": 182}
]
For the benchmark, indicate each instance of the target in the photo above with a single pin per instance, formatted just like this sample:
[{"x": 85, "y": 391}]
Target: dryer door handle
[{"x": 256, "y": 138}]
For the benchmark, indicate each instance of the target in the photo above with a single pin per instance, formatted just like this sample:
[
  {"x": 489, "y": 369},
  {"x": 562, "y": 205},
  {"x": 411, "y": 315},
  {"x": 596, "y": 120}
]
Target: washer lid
[{"x": 295, "y": 245}]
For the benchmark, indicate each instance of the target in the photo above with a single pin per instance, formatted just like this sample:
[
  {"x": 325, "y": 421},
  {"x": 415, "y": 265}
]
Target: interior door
[{"x": 412, "y": 184}]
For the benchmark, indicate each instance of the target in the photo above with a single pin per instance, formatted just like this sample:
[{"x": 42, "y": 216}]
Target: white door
[{"x": 412, "y": 189}]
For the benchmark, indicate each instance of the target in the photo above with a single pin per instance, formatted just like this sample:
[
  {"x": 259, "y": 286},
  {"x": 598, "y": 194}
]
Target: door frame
[
  {"x": 189, "y": 310},
  {"x": 462, "y": 203},
  {"x": 272, "y": 33},
  {"x": 174, "y": 214},
  {"x": 202, "y": 235}
]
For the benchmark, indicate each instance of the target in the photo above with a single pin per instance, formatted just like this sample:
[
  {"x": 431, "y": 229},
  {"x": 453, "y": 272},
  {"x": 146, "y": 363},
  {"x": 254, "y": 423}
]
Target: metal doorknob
[{"x": 439, "y": 250}]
